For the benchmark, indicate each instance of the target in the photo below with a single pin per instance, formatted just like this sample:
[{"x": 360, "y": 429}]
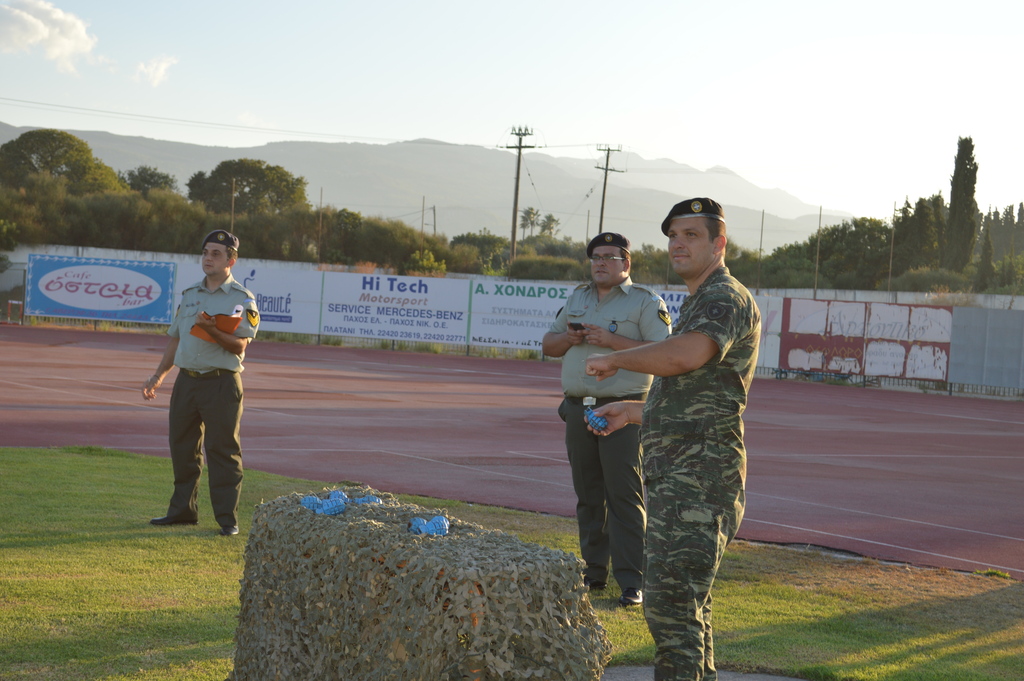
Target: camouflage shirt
[{"x": 692, "y": 422}]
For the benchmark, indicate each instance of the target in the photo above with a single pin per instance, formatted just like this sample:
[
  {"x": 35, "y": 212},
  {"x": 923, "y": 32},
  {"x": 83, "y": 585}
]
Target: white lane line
[
  {"x": 886, "y": 517},
  {"x": 439, "y": 462},
  {"x": 887, "y": 545},
  {"x": 79, "y": 395}
]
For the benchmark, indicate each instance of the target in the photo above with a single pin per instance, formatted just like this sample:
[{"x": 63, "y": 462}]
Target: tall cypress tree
[{"x": 961, "y": 229}]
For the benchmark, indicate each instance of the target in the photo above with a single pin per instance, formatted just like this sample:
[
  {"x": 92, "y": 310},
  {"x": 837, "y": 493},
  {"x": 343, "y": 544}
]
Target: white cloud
[
  {"x": 25, "y": 24},
  {"x": 155, "y": 70}
]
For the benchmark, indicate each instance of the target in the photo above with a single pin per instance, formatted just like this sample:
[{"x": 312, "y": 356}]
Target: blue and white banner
[
  {"x": 393, "y": 307},
  {"x": 99, "y": 288},
  {"x": 288, "y": 300}
]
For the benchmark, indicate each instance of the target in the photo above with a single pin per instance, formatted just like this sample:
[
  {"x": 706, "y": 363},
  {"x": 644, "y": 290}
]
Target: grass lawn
[{"x": 90, "y": 590}]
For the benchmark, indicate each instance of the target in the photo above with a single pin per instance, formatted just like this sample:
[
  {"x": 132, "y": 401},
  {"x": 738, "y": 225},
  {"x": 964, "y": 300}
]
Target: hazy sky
[{"x": 853, "y": 106}]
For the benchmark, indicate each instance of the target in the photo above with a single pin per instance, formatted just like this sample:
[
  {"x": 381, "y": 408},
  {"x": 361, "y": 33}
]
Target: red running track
[{"x": 903, "y": 476}]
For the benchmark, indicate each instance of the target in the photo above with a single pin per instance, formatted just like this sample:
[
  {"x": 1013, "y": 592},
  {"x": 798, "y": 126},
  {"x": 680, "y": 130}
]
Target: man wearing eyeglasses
[{"x": 608, "y": 314}]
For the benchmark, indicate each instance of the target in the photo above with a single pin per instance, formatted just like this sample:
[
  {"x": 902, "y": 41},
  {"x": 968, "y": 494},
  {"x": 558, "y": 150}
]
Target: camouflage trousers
[{"x": 690, "y": 521}]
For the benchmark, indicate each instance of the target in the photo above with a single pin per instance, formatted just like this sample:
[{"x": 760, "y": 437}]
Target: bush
[
  {"x": 927, "y": 280},
  {"x": 549, "y": 268}
]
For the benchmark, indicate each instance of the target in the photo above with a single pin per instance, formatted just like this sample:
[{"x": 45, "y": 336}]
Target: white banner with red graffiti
[{"x": 866, "y": 339}]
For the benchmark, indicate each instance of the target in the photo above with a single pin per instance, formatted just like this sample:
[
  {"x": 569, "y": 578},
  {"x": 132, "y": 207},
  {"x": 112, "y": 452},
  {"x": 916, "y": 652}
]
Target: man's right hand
[
  {"x": 576, "y": 337},
  {"x": 617, "y": 414},
  {"x": 150, "y": 386}
]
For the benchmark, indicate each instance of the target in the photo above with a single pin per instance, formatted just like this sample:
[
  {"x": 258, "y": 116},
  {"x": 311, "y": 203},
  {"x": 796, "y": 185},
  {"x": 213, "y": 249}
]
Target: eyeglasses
[{"x": 605, "y": 258}]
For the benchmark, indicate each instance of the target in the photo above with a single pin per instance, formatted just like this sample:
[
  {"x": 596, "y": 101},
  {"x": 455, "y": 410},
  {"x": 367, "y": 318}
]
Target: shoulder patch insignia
[
  {"x": 253, "y": 316},
  {"x": 665, "y": 317},
  {"x": 715, "y": 310}
]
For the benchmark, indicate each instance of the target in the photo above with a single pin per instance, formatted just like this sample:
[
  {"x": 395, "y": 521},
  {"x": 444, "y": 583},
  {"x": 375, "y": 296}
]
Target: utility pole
[
  {"x": 607, "y": 157},
  {"x": 520, "y": 133},
  {"x": 760, "y": 250},
  {"x": 320, "y": 230},
  {"x": 817, "y": 255},
  {"x": 434, "y": 209},
  {"x": 892, "y": 247}
]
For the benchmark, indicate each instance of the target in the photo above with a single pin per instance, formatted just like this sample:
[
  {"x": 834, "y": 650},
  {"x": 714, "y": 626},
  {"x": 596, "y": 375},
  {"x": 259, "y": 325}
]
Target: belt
[
  {"x": 601, "y": 401},
  {"x": 207, "y": 374}
]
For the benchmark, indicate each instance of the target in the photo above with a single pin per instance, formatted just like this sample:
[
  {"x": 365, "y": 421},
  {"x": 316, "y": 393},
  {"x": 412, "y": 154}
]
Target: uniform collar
[
  {"x": 625, "y": 286},
  {"x": 716, "y": 275},
  {"x": 226, "y": 287}
]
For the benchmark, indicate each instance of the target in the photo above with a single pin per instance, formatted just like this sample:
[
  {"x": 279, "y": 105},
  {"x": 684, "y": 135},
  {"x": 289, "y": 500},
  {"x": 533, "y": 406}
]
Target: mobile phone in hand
[{"x": 575, "y": 326}]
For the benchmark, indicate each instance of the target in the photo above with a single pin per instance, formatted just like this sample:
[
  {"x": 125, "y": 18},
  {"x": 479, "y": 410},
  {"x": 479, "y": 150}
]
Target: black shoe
[
  {"x": 631, "y": 597},
  {"x": 228, "y": 530},
  {"x": 173, "y": 521},
  {"x": 594, "y": 584}
]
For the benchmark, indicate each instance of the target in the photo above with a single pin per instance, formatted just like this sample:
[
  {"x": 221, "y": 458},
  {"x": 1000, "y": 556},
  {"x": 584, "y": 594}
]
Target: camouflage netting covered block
[{"x": 358, "y": 596}]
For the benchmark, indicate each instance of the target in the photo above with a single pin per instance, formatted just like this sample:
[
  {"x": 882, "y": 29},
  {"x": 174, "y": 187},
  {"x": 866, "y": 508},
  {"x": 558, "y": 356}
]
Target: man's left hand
[
  {"x": 596, "y": 335},
  {"x": 600, "y": 366}
]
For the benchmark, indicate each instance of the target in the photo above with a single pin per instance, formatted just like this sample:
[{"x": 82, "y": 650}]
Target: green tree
[
  {"x": 58, "y": 154},
  {"x": 258, "y": 188},
  {"x": 742, "y": 264},
  {"x": 38, "y": 207},
  {"x": 916, "y": 235},
  {"x": 790, "y": 266},
  {"x": 529, "y": 218},
  {"x": 928, "y": 280},
  {"x": 649, "y": 265},
  {"x": 493, "y": 249},
  {"x": 8, "y": 236},
  {"x": 548, "y": 244},
  {"x": 986, "y": 275},
  {"x": 423, "y": 263},
  {"x": 549, "y": 225},
  {"x": 956, "y": 243},
  {"x": 549, "y": 268},
  {"x": 145, "y": 178}
]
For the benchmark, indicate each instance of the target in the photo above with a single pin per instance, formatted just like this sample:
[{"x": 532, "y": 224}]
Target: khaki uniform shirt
[
  {"x": 634, "y": 311},
  {"x": 197, "y": 354},
  {"x": 692, "y": 422}
]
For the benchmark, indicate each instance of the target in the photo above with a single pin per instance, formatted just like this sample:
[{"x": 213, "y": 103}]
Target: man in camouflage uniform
[{"x": 692, "y": 435}]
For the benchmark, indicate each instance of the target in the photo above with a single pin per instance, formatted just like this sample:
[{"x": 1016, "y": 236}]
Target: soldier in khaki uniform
[
  {"x": 610, "y": 313},
  {"x": 694, "y": 457},
  {"x": 206, "y": 403}
]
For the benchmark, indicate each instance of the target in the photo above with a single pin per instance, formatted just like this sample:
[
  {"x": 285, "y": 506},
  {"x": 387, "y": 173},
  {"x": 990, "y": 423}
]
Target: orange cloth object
[{"x": 225, "y": 323}]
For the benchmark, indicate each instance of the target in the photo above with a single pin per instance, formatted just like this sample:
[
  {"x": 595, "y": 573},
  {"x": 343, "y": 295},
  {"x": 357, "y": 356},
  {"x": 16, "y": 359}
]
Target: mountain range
[{"x": 469, "y": 188}]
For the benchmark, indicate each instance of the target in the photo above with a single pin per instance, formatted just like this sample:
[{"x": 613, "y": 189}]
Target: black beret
[
  {"x": 694, "y": 208},
  {"x": 607, "y": 239},
  {"x": 219, "y": 236}
]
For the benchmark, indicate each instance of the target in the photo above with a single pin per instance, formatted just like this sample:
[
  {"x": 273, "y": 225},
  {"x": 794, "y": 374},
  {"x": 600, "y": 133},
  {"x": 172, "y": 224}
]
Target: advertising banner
[
  {"x": 873, "y": 339},
  {"x": 518, "y": 314},
  {"x": 392, "y": 307},
  {"x": 514, "y": 314},
  {"x": 99, "y": 288},
  {"x": 288, "y": 300}
]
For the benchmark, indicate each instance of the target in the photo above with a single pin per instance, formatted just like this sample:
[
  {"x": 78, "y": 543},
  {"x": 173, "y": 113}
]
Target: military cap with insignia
[
  {"x": 694, "y": 208},
  {"x": 607, "y": 239},
  {"x": 219, "y": 236}
]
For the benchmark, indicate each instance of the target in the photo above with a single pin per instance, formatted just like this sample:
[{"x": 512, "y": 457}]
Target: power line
[{"x": 120, "y": 115}]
